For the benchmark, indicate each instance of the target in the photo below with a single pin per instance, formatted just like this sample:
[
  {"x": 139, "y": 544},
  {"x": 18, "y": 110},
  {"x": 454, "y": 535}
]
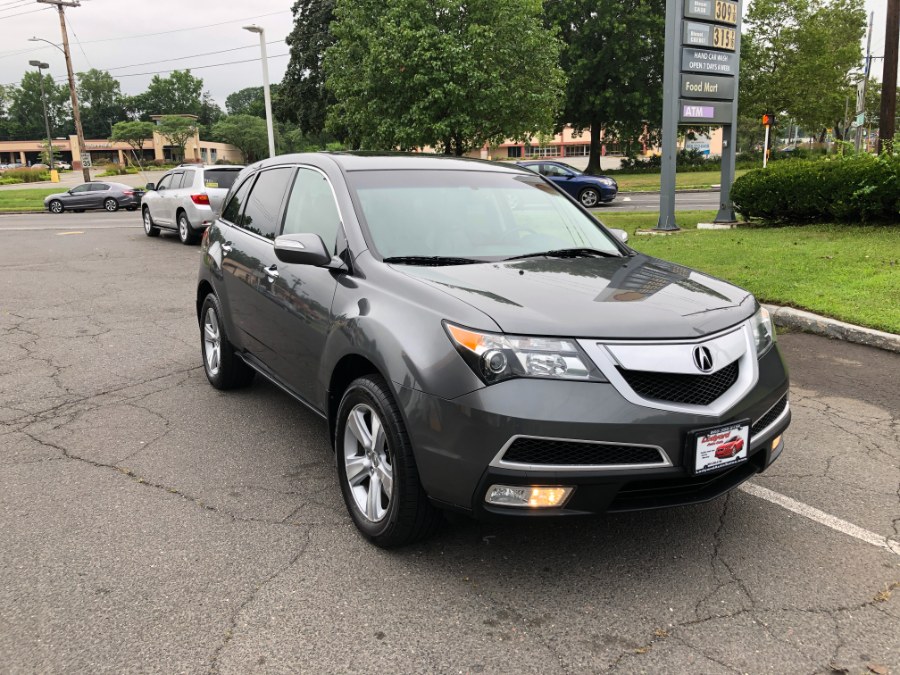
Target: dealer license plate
[{"x": 721, "y": 447}]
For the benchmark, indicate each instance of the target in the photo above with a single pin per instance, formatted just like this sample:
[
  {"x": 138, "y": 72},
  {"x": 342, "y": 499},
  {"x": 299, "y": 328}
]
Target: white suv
[{"x": 187, "y": 199}]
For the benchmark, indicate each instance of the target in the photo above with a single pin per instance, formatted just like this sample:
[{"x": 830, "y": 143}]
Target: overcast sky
[{"x": 113, "y": 35}]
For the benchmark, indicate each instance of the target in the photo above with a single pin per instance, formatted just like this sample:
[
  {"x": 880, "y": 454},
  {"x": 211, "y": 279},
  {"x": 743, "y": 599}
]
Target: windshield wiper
[
  {"x": 568, "y": 253},
  {"x": 430, "y": 260}
]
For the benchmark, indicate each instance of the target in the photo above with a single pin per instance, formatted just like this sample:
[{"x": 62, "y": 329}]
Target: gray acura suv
[{"x": 477, "y": 341}]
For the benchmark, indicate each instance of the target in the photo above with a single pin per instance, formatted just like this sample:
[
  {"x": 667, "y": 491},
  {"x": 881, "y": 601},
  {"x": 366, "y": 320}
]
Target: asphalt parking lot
[{"x": 153, "y": 524}]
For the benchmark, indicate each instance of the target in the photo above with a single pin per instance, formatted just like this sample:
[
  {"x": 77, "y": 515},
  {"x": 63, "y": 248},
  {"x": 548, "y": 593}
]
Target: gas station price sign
[{"x": 721, "y": 11}]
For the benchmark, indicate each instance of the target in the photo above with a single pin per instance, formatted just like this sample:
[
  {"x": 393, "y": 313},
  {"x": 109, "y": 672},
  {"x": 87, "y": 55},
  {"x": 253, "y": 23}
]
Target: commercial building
[{"x": 156, "y": 148}]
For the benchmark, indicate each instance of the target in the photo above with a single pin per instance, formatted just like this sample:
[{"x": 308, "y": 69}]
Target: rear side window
[
  {"x": 99, "y": 187},
  {"x": 311, "y": 208},
  {"x": 236, "y": 204},
  {"x": 264, "y": 202},
  {"x": 176, "y": 180},
  {"x": 219, "y": 178},
  {"x": 188, "y": 180}
]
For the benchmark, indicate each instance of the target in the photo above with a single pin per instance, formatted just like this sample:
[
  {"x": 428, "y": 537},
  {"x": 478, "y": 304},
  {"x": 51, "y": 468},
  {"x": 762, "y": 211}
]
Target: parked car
[
  {"x": 591, "y": 191},
  {"x": 95, "y": 195},
  {"x": 62, "y": 165},
  {"x": 729, "y": 448},
  {"x": 477, "y": 341},
  {"x": 186, "y": 199}
]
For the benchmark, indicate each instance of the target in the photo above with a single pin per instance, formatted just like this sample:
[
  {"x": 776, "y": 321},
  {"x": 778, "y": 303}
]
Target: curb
[{"x": 808, "y": 322}]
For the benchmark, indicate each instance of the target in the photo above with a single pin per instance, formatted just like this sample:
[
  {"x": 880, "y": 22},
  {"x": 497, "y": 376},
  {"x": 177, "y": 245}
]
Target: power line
[
  {"x": 30, "y": 11},
  {"x": 211, "y": 65},
  {"x": 189, "y": 56},
  {"x": 4, "y": 6},
  {"x": 181, "y": 30}
]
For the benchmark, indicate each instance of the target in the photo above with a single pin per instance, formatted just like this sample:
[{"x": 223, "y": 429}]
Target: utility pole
[
  {"x": 40, "y": 65},
  {"x": 865, "y": 82},
  {"x": 889, "y": 78},
  {"x": 79, "y": 132}
]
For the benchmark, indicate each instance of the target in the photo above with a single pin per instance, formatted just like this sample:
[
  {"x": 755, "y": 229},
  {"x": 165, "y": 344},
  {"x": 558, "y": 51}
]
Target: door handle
[
  {"x": 271, "y": 272},
  {"x": 227, "y": 247}
]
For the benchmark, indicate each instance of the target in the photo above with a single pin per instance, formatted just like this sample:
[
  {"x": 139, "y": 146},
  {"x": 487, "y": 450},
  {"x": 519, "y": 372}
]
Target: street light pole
[
  {"x": 40, "y": 65},
  {"x": 266, "y": 94},
  {"x": 79, "y": 132}
]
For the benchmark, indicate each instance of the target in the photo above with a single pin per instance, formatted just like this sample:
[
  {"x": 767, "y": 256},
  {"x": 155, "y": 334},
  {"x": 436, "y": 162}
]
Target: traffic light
[{"x": 768, "y": 120}]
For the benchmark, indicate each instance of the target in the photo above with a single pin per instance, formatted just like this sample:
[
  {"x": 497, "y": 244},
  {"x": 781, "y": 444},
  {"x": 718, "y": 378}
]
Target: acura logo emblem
[{"x": 703, "y": 359}]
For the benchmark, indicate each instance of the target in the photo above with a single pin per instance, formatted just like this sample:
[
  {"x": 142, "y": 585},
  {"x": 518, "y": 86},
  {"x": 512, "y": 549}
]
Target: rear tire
[
  {"x": 149, "y": 228},
  {"x": 223, "y": 367},
  {"x": 56, "y": 206},
  {"x": 185, "y": 232},
  {"x": 111, "y": 205},
  {"x": 374, "y": 450}
]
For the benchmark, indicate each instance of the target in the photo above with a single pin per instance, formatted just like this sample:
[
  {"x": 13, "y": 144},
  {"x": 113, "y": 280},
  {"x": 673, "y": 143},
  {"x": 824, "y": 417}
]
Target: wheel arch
[
  {"x": 348, "y": 368},
  {"x": 204, "y": 288}
]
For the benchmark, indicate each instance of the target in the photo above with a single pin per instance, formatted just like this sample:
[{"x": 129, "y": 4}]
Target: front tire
[
  {"x": 56, "y": 206},
  {"x": 377, "y": 470},
  {"x": 185, "y": 232},
  {"x": 111, "y": 205},
  {"x": 223, "y": 368},
  {"x": 149, "y": 228},
  {"x": 589, "y": 198}
]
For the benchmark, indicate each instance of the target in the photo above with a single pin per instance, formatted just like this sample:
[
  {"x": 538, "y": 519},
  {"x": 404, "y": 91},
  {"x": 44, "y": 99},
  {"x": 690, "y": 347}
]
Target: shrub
[
  {"x": 860, "y": 188},
  {"x": 26, "y": 175}
]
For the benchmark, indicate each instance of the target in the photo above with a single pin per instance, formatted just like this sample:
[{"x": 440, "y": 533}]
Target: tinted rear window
[{"x": 220, "y": 178}]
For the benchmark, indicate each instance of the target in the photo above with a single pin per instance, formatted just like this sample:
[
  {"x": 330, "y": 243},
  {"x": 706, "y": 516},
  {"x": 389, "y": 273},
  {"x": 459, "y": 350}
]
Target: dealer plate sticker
[{"x": 722, "y": 447}]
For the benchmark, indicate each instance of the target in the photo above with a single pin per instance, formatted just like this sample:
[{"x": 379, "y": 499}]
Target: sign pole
[
  {"x": 766, "y": 147},
  {"x": 669, "y": 142},
  {"x": 729, "y": 146}
]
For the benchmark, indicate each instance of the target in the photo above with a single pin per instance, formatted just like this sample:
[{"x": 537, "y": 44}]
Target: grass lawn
[
  {"x": 649, "y": 182},
  {"x": 850, "y": 273},
  {"x": 25, "y": 199}
]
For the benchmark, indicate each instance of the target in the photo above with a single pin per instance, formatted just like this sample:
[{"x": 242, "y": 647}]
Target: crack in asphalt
[{"x": 233, "y": 619}]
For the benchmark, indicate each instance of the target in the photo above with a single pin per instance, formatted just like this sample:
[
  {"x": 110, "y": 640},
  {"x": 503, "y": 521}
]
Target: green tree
[
  {"x": 178, "y": 94},
  {"x": 135, "y": 134},
  {"x": 452, "y": 74},
  {"x": 100, "y": 102},
  {"x": 210, "y": 111},
  {"x": 796, "y": 60},
  {"x": 302, "y": 97},
  {"x": 177, "y": 130},
  {"x": 246, "y": 132},
  {"x": 247, "y": 101},
  {"x": 613, "y": 60},
  {"x": 26, "y": 112},
  {"x": 5, "y": 102}
]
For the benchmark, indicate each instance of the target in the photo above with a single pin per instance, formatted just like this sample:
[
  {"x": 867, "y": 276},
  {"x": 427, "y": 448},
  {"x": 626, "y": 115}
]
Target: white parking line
[
  {"x": 51, "y": 227},
  {"x": 821, "y": 517}
]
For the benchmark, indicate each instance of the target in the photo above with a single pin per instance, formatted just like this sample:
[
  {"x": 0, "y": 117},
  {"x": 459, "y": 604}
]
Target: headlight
[
  {"x": 495, "y": 357},
  {"x": 763, "y": 331},
  {"x": 609, "y": 182}
]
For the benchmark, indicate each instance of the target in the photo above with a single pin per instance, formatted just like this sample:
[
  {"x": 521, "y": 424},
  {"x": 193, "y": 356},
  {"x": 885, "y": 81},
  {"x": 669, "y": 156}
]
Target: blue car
[{"x": 591, "y": 191}]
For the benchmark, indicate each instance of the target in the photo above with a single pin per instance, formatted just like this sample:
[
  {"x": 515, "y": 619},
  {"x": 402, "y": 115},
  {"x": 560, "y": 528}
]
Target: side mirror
[
  {"x": 302, "y": 249},
  {"x": 150, "y": 186},
  {"x": 621, "y": 235}
]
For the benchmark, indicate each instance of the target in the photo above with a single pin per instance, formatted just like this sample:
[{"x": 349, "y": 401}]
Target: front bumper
[{"x": 458, "y": 442}]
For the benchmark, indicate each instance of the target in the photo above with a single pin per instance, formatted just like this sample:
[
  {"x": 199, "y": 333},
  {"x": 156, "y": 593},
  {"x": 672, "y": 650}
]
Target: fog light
[
  {"x": 775, "y": 442},
  {"x": 528, "y": 496}
]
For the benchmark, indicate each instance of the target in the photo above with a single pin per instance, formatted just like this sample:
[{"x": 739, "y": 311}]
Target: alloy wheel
[
  {"x": 111, "y": 205},
  {"x": 368, "y": 465},
  {"x": 589, "y": 198},
  {"x": 56, "y": 207},
  {"x": 183, "y": 229},
  {"x": 212, "y": 342},
  {"x": 148, "y": 225}
]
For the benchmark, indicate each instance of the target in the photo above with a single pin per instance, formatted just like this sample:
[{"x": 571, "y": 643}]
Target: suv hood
[{"x": 637, "y": 297}]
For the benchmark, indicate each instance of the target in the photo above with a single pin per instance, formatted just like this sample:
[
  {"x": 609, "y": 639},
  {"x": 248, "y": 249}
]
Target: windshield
[{"x": 477, "y": 215}]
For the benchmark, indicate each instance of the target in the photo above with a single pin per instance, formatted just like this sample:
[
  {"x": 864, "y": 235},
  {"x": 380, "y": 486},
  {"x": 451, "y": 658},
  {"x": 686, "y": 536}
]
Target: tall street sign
[{"x": 700, "y": 88}]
